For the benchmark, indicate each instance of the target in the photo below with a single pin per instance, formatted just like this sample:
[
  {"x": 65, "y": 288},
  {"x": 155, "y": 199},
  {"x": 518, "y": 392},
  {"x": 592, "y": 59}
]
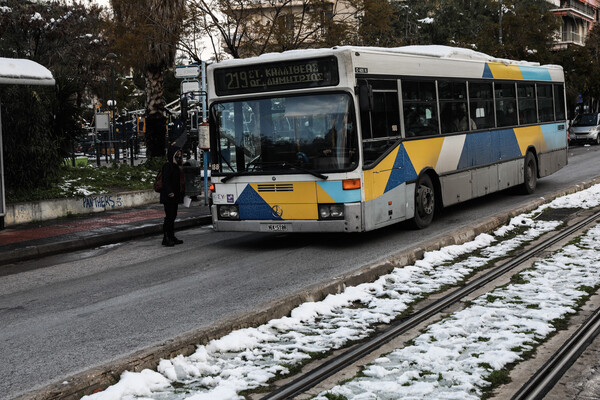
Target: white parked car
[{"x": 585, "y": 128}]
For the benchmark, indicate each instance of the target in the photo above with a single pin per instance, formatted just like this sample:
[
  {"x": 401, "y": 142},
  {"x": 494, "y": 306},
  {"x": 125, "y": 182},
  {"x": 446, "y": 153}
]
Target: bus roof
[{"x": 434, "y": 51}]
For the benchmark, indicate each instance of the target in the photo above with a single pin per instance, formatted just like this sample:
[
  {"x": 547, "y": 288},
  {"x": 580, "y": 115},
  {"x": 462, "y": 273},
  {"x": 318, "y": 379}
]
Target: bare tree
[{"x": 249, "y": 27}]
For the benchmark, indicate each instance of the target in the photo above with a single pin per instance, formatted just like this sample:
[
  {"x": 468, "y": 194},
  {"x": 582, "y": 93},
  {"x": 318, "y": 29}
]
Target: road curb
[
  {"x": 101, "y": 377},
  {"x": 43, "y": 250}
]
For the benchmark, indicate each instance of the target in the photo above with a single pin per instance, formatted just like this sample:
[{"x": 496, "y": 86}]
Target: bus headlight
[
  {"x": 331, "y": 211},
  {"x": 229, "y": 211}
]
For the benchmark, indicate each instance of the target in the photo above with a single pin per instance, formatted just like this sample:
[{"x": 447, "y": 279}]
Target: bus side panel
[
  {"x": 552, "y": 162},
  {"x": 456, "y": 187},
  {"x": 555, "y": 136},
  {"x": 386, "y": 209},
  {"x": 510, "y": 174},
  {"x": 485, "y": 180},
  {"x": 385, "y": 190}
]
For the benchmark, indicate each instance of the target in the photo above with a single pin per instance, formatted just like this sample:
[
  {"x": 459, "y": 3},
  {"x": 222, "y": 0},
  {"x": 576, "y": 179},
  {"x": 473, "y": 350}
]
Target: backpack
[{"x": 158, "y": 183}]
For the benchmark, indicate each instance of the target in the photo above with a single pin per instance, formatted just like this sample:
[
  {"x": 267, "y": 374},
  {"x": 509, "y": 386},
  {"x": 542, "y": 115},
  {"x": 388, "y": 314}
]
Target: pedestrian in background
[{"x": 172, "y": 193}]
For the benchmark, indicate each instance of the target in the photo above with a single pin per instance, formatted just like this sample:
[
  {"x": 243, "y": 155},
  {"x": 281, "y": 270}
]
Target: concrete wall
[{"x": 21, "y": 213}]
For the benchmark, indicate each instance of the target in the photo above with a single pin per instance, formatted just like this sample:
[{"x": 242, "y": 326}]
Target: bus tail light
[
  {"x": 211, "y": 187},
  {"x": 350, "y": 184},
  {"x": 229, "y": 211},
  {"x": 331, "y": 211}
]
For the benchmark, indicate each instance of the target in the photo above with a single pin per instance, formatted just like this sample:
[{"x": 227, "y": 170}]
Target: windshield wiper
[
  {"x": 308, "y": 171},
  {"x": 232, "y": 175},
  {"x": 283, "y": 164}
]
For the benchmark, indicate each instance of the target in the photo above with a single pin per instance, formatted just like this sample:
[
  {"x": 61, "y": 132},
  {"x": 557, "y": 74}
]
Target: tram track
[
  {"x": 354, "y": 354},
  {"x": 545, "y": 378}
]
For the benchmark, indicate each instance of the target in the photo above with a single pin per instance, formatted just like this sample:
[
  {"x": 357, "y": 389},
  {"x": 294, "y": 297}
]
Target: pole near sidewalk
[{"x": 2, "y": 197}]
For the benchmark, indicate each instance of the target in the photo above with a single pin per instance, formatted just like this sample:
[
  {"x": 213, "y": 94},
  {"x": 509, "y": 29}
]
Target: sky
[{"x": 451, "y": 359}]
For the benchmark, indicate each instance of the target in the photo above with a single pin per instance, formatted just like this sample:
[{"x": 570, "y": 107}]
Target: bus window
[
  {"x": 506, "y": 104},
  {"x": 545, "y": 103},
  {"x": 481, "y": 103},
  {"x": 527, "y": 106},
  {"x": 386, "y": 114},
  {"x": 385, "y": 122},
  {"x": 420, "y": 108},
  {"x": 453, "y": 105},
  {"x": 559, "y": 102}
]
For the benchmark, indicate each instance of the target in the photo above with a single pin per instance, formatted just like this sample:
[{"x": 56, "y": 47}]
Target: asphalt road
[{"x": 68, "y": 313}]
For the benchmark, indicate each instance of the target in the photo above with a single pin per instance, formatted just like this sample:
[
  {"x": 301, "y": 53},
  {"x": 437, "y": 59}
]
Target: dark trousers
[{"x": 170, "y": 215}]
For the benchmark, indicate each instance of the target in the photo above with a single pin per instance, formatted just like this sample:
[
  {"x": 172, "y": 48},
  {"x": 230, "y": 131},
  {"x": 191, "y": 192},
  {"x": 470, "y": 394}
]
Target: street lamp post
[{"x": 113, "y": 57}]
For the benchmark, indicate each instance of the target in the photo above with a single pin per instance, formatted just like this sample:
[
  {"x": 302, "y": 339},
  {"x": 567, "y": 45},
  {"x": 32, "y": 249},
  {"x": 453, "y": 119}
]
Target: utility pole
[
  {"x": 500, "y": 23},
  {"x": 113, "y": 57}
]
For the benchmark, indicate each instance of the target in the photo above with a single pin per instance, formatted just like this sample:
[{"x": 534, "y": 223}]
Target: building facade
[{"x": 578, "y": 17}]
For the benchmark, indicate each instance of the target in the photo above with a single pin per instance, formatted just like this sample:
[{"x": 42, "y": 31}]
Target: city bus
[{"x": 352, "y": 139}]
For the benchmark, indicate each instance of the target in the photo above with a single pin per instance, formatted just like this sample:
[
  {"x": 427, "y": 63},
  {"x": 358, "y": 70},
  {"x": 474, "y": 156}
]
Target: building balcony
[
  {"x": 567, "y": 38},
  {"x": 576, "y": 9}
]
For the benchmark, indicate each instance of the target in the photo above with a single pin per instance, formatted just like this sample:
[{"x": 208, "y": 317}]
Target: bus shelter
[{"x": 14, "y": 71}]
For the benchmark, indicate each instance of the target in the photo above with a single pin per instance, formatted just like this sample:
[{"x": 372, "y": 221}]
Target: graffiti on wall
[{"x": 106, "y": 201}]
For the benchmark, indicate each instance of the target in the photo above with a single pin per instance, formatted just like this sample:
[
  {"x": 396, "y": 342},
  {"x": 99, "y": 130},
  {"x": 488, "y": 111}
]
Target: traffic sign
[
  {"x": 190, "y": 86},
  {"x": 187, "y": 71}
]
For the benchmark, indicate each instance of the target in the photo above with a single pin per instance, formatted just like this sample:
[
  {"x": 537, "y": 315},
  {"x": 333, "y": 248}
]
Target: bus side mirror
[{"x": 365, "y": 97}]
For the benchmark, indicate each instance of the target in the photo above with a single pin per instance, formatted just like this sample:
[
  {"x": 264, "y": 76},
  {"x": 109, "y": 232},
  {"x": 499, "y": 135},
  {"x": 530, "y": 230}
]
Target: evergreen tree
[
  {"x": 41, "y": 124},
  {"x": 376, "y": 24},
  {"x": 146, "y": 34},
  {"x": 528, "y": 30}
]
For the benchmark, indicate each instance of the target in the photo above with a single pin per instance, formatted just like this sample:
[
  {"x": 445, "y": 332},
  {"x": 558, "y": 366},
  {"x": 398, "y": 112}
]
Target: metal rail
[
  {"x": 548, "y": 375},
  {"x": 322, "y": 372}
]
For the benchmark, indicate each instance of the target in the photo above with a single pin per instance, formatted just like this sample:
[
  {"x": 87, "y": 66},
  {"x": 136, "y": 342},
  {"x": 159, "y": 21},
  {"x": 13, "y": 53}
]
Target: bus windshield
[{"x": 310, "y": 133}]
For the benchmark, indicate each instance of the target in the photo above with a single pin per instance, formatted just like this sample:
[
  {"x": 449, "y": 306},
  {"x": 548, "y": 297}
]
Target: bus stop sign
[{"x": 187, "y": 71}]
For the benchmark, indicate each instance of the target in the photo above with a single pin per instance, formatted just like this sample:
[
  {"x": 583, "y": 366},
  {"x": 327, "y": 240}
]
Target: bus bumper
[{"x": 352, "y": 222}]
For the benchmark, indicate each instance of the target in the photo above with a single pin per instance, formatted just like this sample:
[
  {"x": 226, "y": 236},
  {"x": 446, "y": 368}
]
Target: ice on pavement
[{"x": 454, "y": 356}]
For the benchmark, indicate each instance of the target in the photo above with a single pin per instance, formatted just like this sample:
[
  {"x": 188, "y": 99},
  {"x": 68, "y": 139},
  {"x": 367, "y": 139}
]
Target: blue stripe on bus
[
  {"x": 506, "y": 144},
  {"x": 553, "y": 140},
  {"x": 337, "y": 192},
  {"x": 535, "y": 73},
  {"x": 487, "y": 72},
  {"x": 402, "y": 170},
  {"x": 476, "y": 150},
  {"x": 252, "y": 206}
]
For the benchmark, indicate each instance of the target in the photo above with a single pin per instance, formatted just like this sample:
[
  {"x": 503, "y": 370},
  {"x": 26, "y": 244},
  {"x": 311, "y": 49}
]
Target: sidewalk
[{"x": 29, "y": 241}]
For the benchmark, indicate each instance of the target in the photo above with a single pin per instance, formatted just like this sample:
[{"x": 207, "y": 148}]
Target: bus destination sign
[{"x": 296, "y": 74}]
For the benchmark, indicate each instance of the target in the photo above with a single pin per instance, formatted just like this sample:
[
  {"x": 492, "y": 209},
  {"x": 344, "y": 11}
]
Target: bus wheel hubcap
[{"x": 425, "y": 200}]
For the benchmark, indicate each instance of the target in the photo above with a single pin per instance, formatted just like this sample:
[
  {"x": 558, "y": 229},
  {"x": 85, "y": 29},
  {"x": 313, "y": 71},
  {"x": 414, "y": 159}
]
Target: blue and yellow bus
[{"x": 352, "y": 139}]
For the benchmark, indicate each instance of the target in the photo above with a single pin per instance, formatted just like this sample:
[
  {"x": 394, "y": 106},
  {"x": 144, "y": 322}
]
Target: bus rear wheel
[
  {"x": 530, "y": 174},
  {"x": 424, "y": 202}
]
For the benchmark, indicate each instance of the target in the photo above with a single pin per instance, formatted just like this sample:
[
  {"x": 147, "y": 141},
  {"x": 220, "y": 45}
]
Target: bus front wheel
[
  {"x": 424, "y": 202},
  {"x": 530, "y": 174}
]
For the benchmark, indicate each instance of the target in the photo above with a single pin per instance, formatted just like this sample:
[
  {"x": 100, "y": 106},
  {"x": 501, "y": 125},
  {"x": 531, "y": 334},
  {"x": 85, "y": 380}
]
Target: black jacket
[{"x": 172, "y": 180}]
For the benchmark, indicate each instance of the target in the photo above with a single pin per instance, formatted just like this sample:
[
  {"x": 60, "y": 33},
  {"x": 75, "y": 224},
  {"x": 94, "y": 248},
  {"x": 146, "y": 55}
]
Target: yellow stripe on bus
[
  {"x": 424, "y": 153},
  {"x": 502, "y": 71},
  {"x": 298, "y": 192},
  {"x": 531, "y": 136},
  {"x": 298, "y": 211},
  {"x": 376, "y": 179}
]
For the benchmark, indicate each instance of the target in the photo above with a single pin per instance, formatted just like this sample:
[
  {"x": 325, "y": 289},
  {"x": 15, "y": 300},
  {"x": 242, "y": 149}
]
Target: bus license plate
[{"x": 276, "y": 228}]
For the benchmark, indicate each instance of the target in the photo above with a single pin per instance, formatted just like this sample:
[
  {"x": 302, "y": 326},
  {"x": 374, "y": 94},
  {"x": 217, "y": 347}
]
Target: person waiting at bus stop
[{"x": 172, "y": 192}]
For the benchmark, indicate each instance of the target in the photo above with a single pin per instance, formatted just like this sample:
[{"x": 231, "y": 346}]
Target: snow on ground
[
  {"x": 249, "y": 358},
  {"x": 454, "y": 358}
]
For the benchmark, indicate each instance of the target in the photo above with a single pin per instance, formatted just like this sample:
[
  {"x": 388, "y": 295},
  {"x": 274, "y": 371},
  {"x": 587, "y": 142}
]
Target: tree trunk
[{"x": 156, "y": 122}]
